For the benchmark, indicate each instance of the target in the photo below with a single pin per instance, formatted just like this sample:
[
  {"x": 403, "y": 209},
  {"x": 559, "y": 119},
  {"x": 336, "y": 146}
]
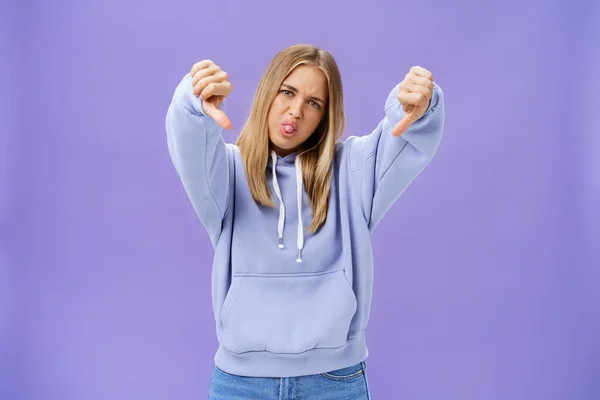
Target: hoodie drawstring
[
  {"x": 281, "y": 223},
  {"x": 281, "y": 205},
  {"x": 300, "y": 239}
]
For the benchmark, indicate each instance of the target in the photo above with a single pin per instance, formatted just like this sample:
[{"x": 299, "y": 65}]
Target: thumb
[
  {"x": 219, "y": 116},
  {"x": 404, "y": 123}
]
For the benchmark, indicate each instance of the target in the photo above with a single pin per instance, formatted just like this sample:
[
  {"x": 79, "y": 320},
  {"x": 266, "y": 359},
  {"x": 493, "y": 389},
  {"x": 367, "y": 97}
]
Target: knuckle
[
  {"x": 200, "y": 76},
  {"x": 199, "y": 64},
  {"x": 207, "y": 92}
]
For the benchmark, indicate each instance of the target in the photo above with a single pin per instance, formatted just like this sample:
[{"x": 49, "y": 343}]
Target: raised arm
[
  {"x": 385, "y": 162},
  {"x": 194, "y": 123}
]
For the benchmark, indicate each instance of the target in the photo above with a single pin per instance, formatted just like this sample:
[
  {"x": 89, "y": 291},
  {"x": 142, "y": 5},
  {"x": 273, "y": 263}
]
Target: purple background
[{"x": 486, "y": 283}]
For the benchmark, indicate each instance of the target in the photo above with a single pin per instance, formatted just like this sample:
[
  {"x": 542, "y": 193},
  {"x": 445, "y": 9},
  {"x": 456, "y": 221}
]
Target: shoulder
[
  {"x": 352, "y": 151},
  {"x": 233, "y": 151}
]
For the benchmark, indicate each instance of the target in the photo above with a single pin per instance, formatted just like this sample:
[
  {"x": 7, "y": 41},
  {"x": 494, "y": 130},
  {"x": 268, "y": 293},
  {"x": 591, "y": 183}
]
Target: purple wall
[
  {"x": 486, "y": 283},
  {"x": 6, "y": 279}
]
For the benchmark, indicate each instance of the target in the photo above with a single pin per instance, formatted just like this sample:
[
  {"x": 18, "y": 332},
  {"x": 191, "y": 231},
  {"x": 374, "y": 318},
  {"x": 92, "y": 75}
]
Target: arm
[
  {"x": 382, "y": 166},
  {"x": 199, "y": 155}
]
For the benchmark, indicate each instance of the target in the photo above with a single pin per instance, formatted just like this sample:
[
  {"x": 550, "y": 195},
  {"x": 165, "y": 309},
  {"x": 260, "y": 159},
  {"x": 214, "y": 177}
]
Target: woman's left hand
[{"x": 415, "y": 95}]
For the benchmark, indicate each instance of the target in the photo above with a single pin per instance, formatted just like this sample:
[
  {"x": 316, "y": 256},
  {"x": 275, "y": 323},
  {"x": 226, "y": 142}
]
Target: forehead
[{"x": 309, "y": 80}]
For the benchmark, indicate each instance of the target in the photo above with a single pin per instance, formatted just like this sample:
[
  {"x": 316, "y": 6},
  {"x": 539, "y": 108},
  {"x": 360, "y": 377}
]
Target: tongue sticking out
[{"x": 288, "y": 128}]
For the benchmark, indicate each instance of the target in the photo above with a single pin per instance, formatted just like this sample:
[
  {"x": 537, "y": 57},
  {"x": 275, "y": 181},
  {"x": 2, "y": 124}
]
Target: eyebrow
[{"x": 296, "y": 90}]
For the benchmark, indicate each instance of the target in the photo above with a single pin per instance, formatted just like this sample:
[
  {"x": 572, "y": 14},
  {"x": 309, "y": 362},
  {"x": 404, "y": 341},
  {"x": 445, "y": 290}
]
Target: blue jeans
[{"x": 342, "y": 384}]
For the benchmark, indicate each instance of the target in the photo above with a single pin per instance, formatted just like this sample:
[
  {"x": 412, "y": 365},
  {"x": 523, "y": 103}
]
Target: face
[{"x": 297, "y": 109}]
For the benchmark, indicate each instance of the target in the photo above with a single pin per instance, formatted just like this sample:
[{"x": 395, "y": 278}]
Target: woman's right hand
[{"x": 212, "y": 85}]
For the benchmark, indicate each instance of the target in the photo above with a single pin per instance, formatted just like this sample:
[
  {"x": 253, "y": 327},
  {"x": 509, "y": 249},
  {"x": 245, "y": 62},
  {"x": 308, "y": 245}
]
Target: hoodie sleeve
[
  {"x": 383, "y": 166},
  {"x": 199, "y": 155}
]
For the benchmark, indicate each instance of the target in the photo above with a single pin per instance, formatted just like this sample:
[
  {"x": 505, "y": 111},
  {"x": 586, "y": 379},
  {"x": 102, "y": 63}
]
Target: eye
[
  {"x": 286, "y": 92},
  {"x": 315, "y": 105}
]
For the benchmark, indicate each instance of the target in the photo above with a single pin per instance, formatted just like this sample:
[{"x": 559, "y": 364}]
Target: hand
[
  {"x": 212, "y": 85},
  {"x": 415, "y": 95}
]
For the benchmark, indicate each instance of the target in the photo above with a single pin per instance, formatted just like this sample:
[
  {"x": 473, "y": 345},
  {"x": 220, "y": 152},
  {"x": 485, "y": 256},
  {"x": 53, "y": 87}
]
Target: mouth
[{"x": 288, "y": 129}]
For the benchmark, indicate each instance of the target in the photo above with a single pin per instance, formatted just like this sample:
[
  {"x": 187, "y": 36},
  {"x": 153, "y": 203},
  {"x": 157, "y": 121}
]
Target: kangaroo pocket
[{"x": 287, "y": 313}]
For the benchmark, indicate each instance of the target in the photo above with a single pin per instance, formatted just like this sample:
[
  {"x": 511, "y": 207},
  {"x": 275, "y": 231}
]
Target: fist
[
  {"x": 211, "y": 84},
  {"x": 415, "y": 95}
]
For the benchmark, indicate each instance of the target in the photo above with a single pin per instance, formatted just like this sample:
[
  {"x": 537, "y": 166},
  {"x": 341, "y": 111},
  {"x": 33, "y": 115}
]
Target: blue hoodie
[{"x": 288, "y": 302}]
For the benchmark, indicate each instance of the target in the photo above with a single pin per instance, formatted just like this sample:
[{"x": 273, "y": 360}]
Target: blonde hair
[{"x": 317, "y": 152}]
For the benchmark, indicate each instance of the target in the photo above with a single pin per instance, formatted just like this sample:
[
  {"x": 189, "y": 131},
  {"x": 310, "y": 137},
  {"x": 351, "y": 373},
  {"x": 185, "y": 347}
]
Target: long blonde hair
[{"x": 317, "y": 151}]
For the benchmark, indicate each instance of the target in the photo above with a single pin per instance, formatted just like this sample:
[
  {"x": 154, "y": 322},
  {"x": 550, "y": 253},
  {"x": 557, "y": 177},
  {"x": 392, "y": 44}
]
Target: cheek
[
  {"x": 275, "y": 112},
  {"x": 278, "y": 105}
]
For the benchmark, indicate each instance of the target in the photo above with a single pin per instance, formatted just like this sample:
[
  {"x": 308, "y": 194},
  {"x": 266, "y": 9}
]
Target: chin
[
  {"x": 279, "y": 148},
  {"x": 283, "y": 143}
]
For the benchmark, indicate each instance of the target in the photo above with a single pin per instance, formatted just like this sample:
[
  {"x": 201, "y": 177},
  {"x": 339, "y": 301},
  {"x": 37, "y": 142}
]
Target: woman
[{"x": 289, "y": 209}]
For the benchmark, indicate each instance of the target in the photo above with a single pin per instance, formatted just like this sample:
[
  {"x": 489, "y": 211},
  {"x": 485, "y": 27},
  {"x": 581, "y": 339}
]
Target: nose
[{"x": 295, "y": 109}]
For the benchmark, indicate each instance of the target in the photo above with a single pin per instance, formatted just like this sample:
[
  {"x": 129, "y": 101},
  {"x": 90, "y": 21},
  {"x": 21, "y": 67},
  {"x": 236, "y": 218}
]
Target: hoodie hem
[{"x": 316, "y": 361}]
